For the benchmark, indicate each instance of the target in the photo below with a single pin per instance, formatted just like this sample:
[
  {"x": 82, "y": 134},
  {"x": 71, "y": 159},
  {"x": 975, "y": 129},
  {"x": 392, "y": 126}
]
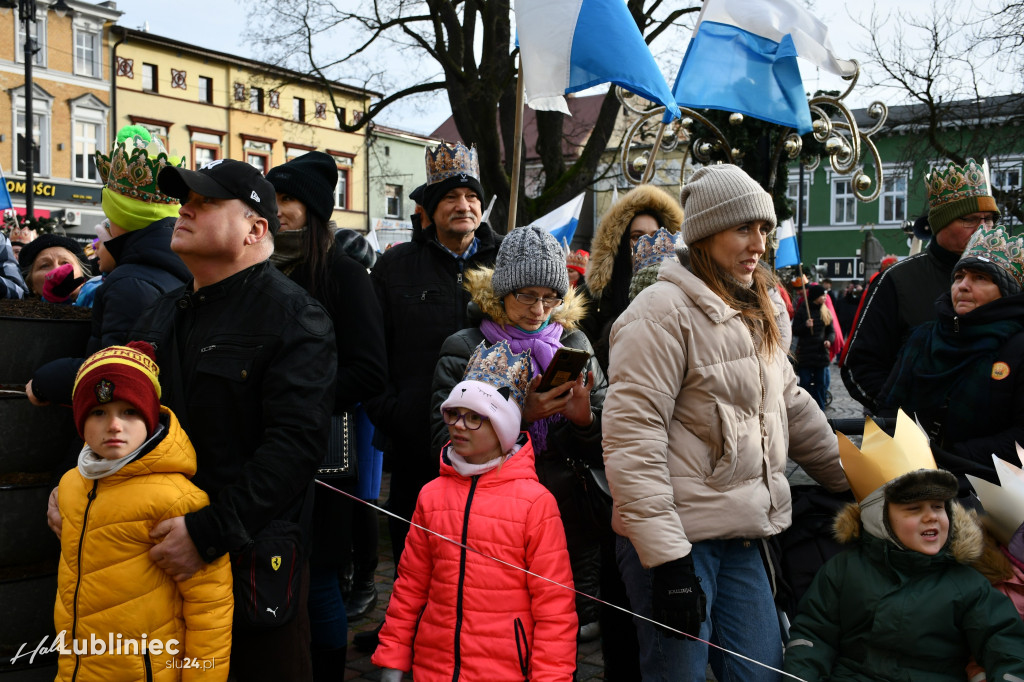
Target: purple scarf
[{"x": 542, "y": 345}]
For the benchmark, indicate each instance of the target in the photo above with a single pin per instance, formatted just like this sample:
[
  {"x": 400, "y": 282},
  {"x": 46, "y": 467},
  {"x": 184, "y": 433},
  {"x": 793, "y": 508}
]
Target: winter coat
[
  {"x": 11, "y": 283},
  {"x": 879, "y": 612},
  {"x": 107, "y": 584},
  {"x": 810, "y": 343},
  {"x": 699, "y": 424},
  {"x": 899, "y": 299},
  {"x": 146, "y": 269},
  {"x": 973, "y": 421},
  {"x": 460, "y": 615},
  {"x": 249, "y": 365},
  {"x": 610, "y": 268},
  {"x": 419, "y": 287}
]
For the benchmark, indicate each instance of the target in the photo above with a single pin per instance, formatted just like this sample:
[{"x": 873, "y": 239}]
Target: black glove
[{"x": 677, "y": 598}]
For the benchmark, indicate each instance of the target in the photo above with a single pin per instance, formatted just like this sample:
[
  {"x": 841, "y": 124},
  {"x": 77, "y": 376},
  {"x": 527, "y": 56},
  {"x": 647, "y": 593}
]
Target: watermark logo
[{"x": 115, "y": 644}]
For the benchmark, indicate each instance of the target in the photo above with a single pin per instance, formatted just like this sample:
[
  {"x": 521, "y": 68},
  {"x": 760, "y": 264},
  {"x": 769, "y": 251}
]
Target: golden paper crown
[
  {"x": 132, "y": 168},
  {"x": 448, "y": 161},
  {"x": 880, "y": 458},
  {"x": 1003, "y": 503},
  {"x": 955, "y": 182}
]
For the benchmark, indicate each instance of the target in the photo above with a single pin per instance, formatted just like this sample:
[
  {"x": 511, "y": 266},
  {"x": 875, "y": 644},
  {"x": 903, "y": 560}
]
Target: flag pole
[
  {"x": 517, "y": 150},
  {"x": 803, "y": 284},
  {"x": 649, "y": 170}
]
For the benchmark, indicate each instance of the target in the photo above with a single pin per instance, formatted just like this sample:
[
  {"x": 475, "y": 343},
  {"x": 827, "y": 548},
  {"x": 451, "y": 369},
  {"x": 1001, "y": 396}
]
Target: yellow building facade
[{"x": 207, "y": 105}]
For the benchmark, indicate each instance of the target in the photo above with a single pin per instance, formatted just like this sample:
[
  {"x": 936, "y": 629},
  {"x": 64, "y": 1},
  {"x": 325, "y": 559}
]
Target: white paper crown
[{"x": 1004, "y": 503}]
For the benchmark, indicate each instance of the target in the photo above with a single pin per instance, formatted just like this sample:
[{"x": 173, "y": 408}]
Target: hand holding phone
[{"x": 565, "y": 366}]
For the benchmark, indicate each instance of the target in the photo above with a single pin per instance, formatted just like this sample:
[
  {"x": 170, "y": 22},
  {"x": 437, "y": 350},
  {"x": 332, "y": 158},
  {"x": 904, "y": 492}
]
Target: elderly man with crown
[
  {"x": 962, "y": 375},
  {"x": 420, "y": 288},
  {"x": 139, "y": 242},
  {"x": 903, "y": 603},
  {"x": 901, "y": 298}
]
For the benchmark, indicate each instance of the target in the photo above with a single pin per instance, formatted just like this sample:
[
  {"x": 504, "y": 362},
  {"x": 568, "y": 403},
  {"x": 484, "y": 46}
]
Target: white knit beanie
[
  {"x": 720, "y": 197},
  {"x": 529, "y": 257}
]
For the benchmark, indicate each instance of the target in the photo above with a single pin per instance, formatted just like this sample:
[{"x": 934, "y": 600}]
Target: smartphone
[{"x": 565, "y": 366}]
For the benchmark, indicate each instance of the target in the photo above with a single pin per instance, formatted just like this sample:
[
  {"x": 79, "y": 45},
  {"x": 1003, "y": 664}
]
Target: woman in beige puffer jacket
[{"x": 702, "y": 410}]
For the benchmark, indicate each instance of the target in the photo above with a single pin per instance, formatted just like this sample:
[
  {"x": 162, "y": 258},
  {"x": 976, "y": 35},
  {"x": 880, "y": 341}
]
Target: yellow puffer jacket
[{"x": 110, "y": 592}]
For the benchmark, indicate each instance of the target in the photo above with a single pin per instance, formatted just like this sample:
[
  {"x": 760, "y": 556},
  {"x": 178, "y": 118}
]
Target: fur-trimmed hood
[
  {"x": 478, "y": 284},
  {"x": 965, "y": 544},
  {"x": 608, "y": 236}
]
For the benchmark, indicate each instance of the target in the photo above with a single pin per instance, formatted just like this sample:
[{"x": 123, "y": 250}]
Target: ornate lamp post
[{"x": 27, "y": 16}]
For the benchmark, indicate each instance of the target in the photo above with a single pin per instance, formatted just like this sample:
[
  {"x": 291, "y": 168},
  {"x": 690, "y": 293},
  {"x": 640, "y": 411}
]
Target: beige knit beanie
[{"x": 722, "y": 196}]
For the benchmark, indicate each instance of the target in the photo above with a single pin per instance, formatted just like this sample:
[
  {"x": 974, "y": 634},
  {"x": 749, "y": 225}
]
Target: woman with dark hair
[
  {"x": 702, "y": 410},
  {"x": 639, "y": 212},
  {"x": 959, "y": 375},
  {"x": 305, "y": 250}
]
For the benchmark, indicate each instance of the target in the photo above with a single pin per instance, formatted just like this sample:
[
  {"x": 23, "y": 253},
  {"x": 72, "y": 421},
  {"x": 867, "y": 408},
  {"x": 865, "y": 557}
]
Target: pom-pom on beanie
[{"x": 720, "y": 197}]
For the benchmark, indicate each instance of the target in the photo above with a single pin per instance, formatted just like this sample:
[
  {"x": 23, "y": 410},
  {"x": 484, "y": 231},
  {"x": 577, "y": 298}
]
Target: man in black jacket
[
  {"x": 248, "y": 365},
  {"x": 903, "y": 296},
  {"x": 419, "y": 285}
]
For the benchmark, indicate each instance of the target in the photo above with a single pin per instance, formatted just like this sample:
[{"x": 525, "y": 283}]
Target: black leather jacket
[{"x": 248, "y": 365}]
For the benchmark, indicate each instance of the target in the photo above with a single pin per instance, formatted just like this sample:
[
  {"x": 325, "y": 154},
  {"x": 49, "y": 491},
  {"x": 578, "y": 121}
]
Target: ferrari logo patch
[
  {"x": 275, "y": 562},
  {"x": 1000, "y": 371}
]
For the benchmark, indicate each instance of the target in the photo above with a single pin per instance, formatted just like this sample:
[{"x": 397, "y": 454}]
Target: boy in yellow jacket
[{"x": 118, "y": 615}]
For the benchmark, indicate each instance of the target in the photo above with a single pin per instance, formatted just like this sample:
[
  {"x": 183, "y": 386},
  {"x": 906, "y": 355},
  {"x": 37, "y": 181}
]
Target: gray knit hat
[
  {"x": 722, "y": 196},
  {"x": 529, "y": 257}
]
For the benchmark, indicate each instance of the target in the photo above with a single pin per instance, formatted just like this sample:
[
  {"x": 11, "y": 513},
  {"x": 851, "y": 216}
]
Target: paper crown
[
  {"x": 1003, "y": 503},
  {"x": 955, "y": 183},
  {"x": 653, "y": 248},
  {"x": 880, "y": 458},
  {"x": 577, "y": 260},
  {"x": 132, "y": 167},
  {"x": 994, "y": 245},
  {"x": 447, "y": 161},
  {"x": 500, "y": 367}
]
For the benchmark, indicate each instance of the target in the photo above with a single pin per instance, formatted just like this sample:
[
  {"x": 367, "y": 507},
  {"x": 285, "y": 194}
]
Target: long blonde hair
[
  {"x": 754, "y": 303},
  {"x": 826, "y": 314}
]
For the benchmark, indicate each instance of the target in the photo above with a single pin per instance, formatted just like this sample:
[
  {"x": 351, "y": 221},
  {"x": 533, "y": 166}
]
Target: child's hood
[
  {"x": 965, "y": 544},
  {"x": 173, "y": 454}
]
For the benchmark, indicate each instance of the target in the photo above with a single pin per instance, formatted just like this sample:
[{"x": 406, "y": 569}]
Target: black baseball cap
[{"x": 223, "y": 179}]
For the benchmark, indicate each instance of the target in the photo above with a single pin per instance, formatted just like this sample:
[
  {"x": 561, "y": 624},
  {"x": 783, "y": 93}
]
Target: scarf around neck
[
  {"x": 542, "y": 343},
  {"x": 288, "y": 248}
]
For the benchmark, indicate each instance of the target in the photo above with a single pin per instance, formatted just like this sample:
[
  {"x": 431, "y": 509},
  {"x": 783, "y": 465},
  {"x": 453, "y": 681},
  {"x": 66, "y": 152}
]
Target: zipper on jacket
[
  {"x": 956, "y": 324},
  {"x": 148, "y": 664},
  {"x": 521, "y": 643},
  {"x": 78, "y": 579},
  {"x": 460, "y": 305},
  {"x": 760, "y": 378},
  {"x": 457, "y": 648}
]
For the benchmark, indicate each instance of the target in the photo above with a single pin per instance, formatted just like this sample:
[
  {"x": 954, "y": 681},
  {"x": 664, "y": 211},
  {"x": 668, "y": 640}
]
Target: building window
[
  {"x": 393, "y": 197},
  {"x": 894, "y": 198},
  {"x": 38, "y": 33},
  {"x": 149, "y": 78},
  {"x": 844, "y": 202},
  {"x": 257, "y": 155},
  {"x": 256, "y": 100},
  {"x": 291, "y": 152},
  {"x": 87, "y": 52},
  {"x": 206, "y": 147},
  {"x": 298, "y": 109},
  {"x": 341, "y": 116},
  {"x": 86, "y": 143},
  {"x": 800, "y": 203},
  {"x": 157, "y": 132},
  {"x": 341, "y": 197},
  {"x": 206, "y": 89},
  {"x": 1008, "y": 179},
  {"x": 39, "y": 150}
]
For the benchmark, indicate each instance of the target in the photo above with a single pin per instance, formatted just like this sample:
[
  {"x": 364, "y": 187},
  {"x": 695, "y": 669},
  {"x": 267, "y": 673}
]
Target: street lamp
[{"x": 27, "y": 15}]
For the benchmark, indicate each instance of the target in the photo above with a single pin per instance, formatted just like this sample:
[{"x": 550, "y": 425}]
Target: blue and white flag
[
  {"x": 787, "y": 253},
  {"x": 561, "y": 222},
  {"x": 5, "y": 196},
  {"x": 571, "y": 45},
  {"x": 742, "y": 57}
]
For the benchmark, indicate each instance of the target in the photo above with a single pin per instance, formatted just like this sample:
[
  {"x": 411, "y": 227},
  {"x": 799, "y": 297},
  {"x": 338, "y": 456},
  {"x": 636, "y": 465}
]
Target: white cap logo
[
  {"x": 255, "y": 197},
  {"x": 207, "y": 166}
]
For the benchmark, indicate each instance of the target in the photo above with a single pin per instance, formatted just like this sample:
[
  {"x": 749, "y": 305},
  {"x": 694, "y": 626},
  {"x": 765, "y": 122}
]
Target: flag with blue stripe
[
  {"x": 571, "y": 45},
  {"x": 742, "y": 57},
  {"x": 788, "y": 253},
  {"x": 5, "y": 196},
  {"x": 562, "y": 222}
]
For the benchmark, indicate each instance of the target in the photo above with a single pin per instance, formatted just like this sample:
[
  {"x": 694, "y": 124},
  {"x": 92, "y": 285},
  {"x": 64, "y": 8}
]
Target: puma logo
[{"x": 273, "y": 611}]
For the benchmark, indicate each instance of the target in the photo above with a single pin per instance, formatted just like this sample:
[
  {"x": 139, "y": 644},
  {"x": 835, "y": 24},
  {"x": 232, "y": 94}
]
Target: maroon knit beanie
[{"x": 128, "y": 373}]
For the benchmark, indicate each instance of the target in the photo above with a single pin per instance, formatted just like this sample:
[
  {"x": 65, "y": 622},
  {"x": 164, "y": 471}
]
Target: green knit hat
[{"x": 956, "y": 192}]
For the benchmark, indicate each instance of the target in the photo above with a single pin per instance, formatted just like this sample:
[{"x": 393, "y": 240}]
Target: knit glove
[
  {"x": 678, "y": 600},
  {"x": 60, "y": 283}
]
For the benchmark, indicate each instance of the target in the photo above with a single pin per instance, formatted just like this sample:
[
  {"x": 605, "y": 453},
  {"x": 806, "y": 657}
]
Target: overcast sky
[{"x": 205, "y": 23}]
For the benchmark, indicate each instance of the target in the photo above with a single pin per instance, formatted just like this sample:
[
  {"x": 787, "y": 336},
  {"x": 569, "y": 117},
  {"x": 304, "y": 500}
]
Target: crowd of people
[{"x": 243, "y": 346}]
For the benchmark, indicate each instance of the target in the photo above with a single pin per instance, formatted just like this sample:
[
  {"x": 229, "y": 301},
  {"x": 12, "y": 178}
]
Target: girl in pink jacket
[{"x": 456, "y": 613}]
